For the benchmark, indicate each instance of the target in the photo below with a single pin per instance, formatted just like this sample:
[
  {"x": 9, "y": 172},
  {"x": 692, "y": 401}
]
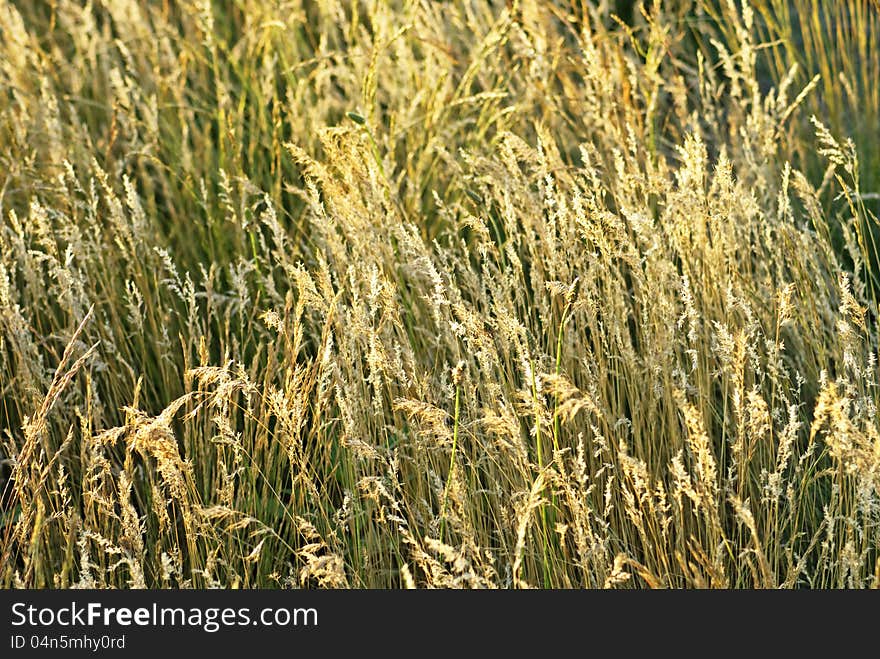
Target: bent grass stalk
[
  {"x": 457, "y": 378},
  {"x": 545, "y": 524}
]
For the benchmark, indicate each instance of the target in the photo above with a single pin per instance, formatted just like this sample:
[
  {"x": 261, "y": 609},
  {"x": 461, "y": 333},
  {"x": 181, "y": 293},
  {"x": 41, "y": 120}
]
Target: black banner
[{"x": 131, "y": 623}]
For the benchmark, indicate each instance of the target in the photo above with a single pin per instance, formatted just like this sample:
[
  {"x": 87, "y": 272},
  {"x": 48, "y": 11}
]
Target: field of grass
[{"x": 410, "y": 293}]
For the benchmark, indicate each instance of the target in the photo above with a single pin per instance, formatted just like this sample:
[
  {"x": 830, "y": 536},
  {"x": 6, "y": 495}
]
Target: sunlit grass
[{"x": 464, "y": 294}]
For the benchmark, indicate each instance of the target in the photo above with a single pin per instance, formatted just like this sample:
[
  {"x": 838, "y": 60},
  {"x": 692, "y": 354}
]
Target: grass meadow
[{"x": 463, "y": 294}]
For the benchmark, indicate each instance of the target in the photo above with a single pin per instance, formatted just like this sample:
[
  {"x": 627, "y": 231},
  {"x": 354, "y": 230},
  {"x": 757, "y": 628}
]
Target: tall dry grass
[{"x": 475, "y": 294}]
